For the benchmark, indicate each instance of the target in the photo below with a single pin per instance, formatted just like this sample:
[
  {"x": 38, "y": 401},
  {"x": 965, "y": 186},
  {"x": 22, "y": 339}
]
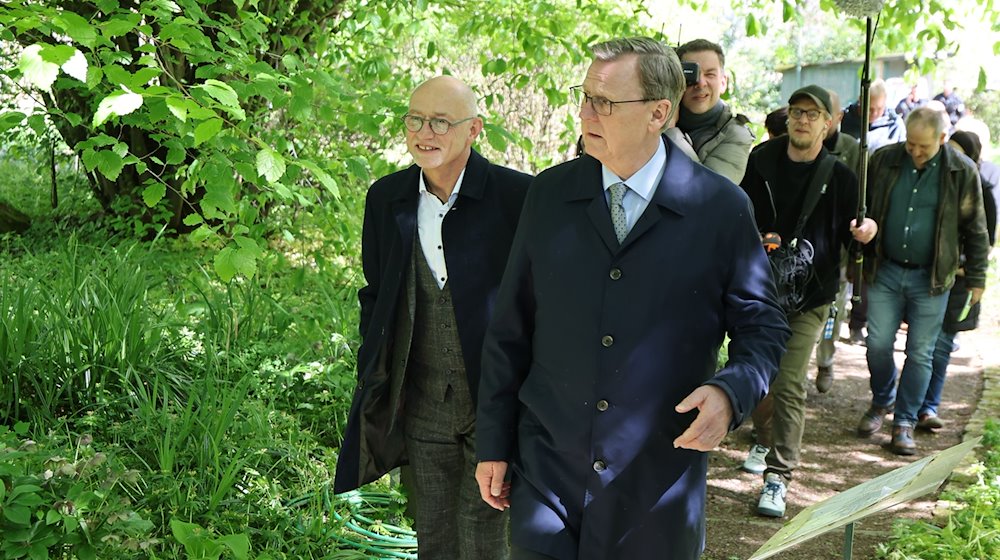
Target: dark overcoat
[
  {"x": 477, "y": 235},
  {"x": 593, "y": 344}
]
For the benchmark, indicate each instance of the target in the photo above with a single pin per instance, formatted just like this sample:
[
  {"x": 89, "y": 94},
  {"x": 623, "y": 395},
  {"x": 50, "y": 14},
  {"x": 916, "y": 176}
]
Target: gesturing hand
[{"x": 715, "y": 414}]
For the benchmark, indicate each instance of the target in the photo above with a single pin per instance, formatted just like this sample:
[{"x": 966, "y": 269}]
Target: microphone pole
[{"x": 863, "y": 161}]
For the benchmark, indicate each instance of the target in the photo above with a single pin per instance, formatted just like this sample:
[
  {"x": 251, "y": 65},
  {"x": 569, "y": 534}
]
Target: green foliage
[
  {"x": 985, "y": 105},
  {"x": 972, "y": 531},
  {"x": 62, "y": 499},
  {"x": 200, "y": 544},
  {"x": 82, "y": 335}
]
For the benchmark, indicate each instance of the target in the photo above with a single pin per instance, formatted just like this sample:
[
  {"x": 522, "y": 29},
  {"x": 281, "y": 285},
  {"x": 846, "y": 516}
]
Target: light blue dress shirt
[{"x": 641, "y": 185}]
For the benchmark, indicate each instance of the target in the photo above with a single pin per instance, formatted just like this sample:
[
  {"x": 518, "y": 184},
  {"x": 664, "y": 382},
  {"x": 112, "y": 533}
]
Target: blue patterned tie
[{"x": 618, "y": 210}]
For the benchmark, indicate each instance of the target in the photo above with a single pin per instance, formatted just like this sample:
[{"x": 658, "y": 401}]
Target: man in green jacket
[
  {"x": 927, "y": 200},
  {"x": 722, "y": 140}
]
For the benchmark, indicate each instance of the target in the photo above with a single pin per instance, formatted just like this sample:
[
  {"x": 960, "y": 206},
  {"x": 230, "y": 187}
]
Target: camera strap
[{"x": 817, "y": 187}]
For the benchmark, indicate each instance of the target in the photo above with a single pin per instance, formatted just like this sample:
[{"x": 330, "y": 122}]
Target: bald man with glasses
[{"x": 435, "y": 241}]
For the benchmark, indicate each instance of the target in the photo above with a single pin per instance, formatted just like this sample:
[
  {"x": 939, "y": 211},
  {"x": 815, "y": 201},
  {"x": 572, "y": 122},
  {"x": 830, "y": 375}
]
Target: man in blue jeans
[{"x": 928, "y": 201}]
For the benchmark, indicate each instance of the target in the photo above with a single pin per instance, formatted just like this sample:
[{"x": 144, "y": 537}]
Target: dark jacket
[
  {"x": 593, "y": 345},
  {"x": 828, "y": 228},
  {"x": 885, "y": 130},
  {"x": 477, "y": 234},
  {"x": 961, "y": 220}
]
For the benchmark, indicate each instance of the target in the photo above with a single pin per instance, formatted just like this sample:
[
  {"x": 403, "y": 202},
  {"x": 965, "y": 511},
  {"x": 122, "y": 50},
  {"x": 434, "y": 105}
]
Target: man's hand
[
  {"x": 977, "y": 294},
  {"x": 715, "y": 414},
  {"x": 492, "y": 487},
  {"x": 866, "y": 232}
]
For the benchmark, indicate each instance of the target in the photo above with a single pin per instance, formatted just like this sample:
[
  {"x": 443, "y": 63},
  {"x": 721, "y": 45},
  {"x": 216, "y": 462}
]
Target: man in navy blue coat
[
  {"x": 599, "y": 387},
  {"x": 435, "y": 241}
]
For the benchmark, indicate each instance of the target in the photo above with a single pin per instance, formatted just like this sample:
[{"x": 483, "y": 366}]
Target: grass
[{"x": 220, "y": 404}]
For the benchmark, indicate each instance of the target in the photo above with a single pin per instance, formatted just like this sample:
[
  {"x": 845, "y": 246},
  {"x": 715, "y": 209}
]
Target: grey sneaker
[
  {"x": 772, "y": 497},
  {"x": 755, "y": 462}
]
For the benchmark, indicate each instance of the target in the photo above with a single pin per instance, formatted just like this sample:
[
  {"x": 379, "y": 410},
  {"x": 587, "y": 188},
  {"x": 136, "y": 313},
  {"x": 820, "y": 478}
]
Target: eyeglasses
[
  {"x": 438, "y": 125},
  {"x": 795, "y": 113},
  {"x": 601, "y": 105}
]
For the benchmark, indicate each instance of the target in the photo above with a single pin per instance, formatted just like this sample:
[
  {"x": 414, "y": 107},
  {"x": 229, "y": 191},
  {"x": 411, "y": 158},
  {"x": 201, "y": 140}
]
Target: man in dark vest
[{"x": 435, "y": 242}]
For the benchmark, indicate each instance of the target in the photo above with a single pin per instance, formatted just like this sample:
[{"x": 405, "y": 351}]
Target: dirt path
[{"x": 834, "y": 459}]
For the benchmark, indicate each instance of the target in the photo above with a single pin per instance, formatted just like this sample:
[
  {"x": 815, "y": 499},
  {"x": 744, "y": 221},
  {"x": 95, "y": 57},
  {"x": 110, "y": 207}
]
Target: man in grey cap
[{"x": 808, "y": 198}]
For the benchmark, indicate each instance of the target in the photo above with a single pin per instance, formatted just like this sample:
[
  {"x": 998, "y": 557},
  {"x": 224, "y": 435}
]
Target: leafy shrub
[
  {"x": 972, "y": 531},
  {"x": 66, "y": 500}
]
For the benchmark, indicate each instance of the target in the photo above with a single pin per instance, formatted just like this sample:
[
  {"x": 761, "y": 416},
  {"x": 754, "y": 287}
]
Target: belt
[{"x": 909, "y": 266}]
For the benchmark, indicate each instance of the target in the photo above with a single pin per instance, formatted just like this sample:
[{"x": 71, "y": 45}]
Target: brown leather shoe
[
  {"x": 824, "y": 379},
  {"x": 929, "y": 422},
  {"x": 872, "y": 420},
  {"x": 902, "y": 441}
]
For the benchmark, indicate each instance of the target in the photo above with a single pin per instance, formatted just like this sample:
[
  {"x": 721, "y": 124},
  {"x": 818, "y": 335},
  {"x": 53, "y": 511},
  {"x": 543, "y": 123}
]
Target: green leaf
[
  {"x": 57, "y": 54},
  {"x": 37, "y": 71},
  {"x": 76, "y": 66},
  {"x": 109, "y": 164},
  {"x": 38, "y": 551},
  {"x": 17, "y": 515},
  {"x": 192, "y": 219},
  {"x": 86, "y": 552},
  {"x": 357, "y": 167},
  {"x": 221, "y": 92},
  {"x": 78, "y": 28},
  {"x": 52, "y": 517},
  {"x": 270, "y": 165},
  {"x": 207, "y": 130},
  {"x": 322, "y": 176},
  {"x": 226, "y": 269},
  {"x": 787, "y": 10},
  {"x": 238, "y": 544},
  {"x": 11, "y": 119},
  {"x": 981, "y": 84},
  {"x": 116, "y": 104},
  {"x": 751, "y": 26},
  {"x": 154, "y": 193},
  {"x": 120, "y": 25}
]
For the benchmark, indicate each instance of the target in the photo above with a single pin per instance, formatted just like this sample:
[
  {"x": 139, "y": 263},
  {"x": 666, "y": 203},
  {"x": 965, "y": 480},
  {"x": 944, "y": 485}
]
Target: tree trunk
[{"x": 12, "y": 219}]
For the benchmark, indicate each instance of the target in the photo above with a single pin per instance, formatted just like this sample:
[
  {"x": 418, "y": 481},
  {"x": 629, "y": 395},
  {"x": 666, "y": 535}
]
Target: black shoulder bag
[{"x": 792, "y": 262}]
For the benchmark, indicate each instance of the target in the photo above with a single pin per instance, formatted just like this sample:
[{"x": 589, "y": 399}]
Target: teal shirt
[{"x": 910, "y": 222}]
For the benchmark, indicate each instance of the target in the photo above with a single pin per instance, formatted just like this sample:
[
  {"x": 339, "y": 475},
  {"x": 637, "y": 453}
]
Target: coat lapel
[{"x": 587, "y": 186}]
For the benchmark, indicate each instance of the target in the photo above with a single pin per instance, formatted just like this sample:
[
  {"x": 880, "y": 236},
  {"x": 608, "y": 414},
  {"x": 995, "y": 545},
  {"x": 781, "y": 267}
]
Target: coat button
[
  {"x": 615, "y": 273},
  {"x": 607, "y": 340},
  {"x": 600, "y": 466},
  {"x": 602, "y": 405},
  {"x": 361, "y": 385}
]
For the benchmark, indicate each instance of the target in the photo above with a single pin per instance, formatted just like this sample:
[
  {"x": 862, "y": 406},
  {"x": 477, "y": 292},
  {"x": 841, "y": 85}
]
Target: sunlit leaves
[
  {"x": 117, "y": 104},
  {"x": 36, "y": 70},
  {"x": 76, "y": 66}
]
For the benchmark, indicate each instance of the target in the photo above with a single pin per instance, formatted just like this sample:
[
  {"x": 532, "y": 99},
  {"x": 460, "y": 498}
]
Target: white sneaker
[
  {"x": 772, "y": 497},
  {"x": 755, "y": 462}
]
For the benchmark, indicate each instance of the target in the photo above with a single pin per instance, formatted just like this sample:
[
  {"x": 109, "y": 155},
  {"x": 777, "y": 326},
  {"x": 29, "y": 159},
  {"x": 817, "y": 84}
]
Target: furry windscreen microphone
[{"x": 859, "y": 8}]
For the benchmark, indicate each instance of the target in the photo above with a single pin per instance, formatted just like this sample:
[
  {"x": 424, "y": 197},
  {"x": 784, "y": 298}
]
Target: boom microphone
[{"x": 859, "y": 8}]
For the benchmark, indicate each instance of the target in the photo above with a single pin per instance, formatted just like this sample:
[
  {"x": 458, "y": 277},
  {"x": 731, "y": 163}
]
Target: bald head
[{"x": 457, "y": 93}]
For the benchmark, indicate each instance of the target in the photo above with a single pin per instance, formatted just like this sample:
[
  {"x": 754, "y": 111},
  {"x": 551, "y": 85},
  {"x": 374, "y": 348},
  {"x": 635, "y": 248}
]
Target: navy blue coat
[
  {"x": 592, "y": 345},
  {"x": 477, "y": 235}
]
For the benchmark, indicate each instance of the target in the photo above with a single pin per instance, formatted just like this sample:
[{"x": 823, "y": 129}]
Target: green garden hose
[{"x": 354, "y": 528}]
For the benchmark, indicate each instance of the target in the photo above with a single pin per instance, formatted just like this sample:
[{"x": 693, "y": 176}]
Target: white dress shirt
[{"x": 430, "y": 216}]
